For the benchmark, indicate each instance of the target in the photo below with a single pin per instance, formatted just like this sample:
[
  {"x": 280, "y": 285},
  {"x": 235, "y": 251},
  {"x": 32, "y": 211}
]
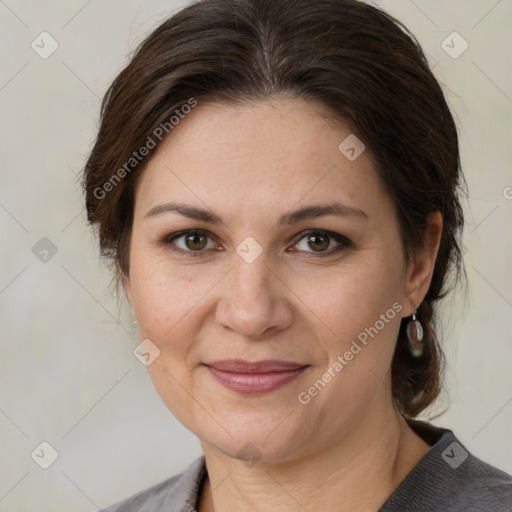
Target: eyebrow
[{"x": 201, "y": 214}]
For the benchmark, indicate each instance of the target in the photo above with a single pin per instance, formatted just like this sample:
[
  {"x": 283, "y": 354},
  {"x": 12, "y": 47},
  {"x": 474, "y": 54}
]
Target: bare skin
[
  {"x": 345, "y": 448},
  {"x": 362, "y": 485}
]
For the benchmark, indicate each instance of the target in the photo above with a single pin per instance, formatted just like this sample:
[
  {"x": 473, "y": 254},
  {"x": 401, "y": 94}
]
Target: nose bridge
[
  {"x": 251, "y": 273},
  {"x": 252, "y": 304},
  {"x": 251, "y": 284}
]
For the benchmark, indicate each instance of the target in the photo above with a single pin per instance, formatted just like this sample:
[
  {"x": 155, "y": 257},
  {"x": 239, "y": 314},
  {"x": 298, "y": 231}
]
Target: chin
[{"x": 266, "y": 439}]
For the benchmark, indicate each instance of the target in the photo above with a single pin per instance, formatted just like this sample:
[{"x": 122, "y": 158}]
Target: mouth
[{"x": 252, "y": 378}]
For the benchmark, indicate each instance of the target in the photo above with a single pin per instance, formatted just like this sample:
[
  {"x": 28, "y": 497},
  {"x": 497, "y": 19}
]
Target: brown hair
[{"x": 360, "y": 63}]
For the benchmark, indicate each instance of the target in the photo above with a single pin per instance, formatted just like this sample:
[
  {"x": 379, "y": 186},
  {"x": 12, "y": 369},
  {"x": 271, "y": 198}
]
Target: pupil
[
  {"x": 318, "y": 243},
  {"x": 193, "y": 241}
]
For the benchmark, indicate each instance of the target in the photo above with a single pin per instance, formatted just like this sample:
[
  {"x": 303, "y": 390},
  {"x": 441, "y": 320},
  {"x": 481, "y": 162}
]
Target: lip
[{"x": 251, "y": 378}]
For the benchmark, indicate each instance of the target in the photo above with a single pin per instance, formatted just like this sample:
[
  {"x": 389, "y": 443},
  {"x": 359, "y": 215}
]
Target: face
[{"x": 254, "y": 280}]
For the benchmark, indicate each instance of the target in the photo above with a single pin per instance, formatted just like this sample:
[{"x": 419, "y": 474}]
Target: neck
[{"x": 375, "y": 455}]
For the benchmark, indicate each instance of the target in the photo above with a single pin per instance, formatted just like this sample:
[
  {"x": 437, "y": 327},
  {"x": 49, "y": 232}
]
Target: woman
[{"x": 277, "y": 183}]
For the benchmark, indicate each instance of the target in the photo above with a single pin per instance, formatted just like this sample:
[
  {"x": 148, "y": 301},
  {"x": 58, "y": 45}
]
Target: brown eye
[
  {"x": 318, "y": 242},
  {"x": 324, "y": 243},
  {"x": 196, "y": 241},
  {"x": 190, "y": 243}
]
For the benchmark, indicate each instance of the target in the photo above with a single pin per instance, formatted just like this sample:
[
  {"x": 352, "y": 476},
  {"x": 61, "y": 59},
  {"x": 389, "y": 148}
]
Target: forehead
[{"x": 277, "y": 152}]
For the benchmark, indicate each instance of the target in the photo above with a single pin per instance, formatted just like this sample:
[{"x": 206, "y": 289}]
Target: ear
[{"x": 420, "y": 270}]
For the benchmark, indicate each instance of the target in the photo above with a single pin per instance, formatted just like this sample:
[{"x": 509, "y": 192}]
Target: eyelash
[{"x": 344, "y": 242}]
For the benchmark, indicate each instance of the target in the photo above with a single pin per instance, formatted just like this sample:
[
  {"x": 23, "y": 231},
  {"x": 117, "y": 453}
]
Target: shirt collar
[{"x": 184, "y": 495}]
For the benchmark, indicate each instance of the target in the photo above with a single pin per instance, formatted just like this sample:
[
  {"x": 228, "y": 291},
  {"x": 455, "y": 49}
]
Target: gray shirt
[{"x": 447, "y": 479}]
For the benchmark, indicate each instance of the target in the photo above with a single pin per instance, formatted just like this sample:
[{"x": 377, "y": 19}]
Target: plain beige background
[{"x": 68, "y": 373}]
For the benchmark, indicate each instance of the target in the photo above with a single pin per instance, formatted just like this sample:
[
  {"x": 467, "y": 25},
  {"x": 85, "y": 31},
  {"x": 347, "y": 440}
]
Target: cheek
[
  {"x": 168, "y": 308},
  {"x": 365, "y": 317},
  {"x": 354, "y": 297},
  {"x": 362, "y": 308},
  {"x": 165, "y": 299}
]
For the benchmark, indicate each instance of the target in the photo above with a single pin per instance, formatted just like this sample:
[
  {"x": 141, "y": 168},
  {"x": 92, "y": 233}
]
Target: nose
[{"x": 255, "y": 301}]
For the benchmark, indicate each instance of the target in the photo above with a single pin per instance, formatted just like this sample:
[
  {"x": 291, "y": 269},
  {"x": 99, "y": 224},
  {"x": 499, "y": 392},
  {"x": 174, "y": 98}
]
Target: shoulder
[
  {"x": 178, "y": 492},
  {"x": 450, "y": 478},
  {"x": 481, "y": 487}
]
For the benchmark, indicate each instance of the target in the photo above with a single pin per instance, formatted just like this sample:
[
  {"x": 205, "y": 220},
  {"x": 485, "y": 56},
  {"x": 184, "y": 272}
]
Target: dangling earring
[{"x": 415, "y": 336}]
